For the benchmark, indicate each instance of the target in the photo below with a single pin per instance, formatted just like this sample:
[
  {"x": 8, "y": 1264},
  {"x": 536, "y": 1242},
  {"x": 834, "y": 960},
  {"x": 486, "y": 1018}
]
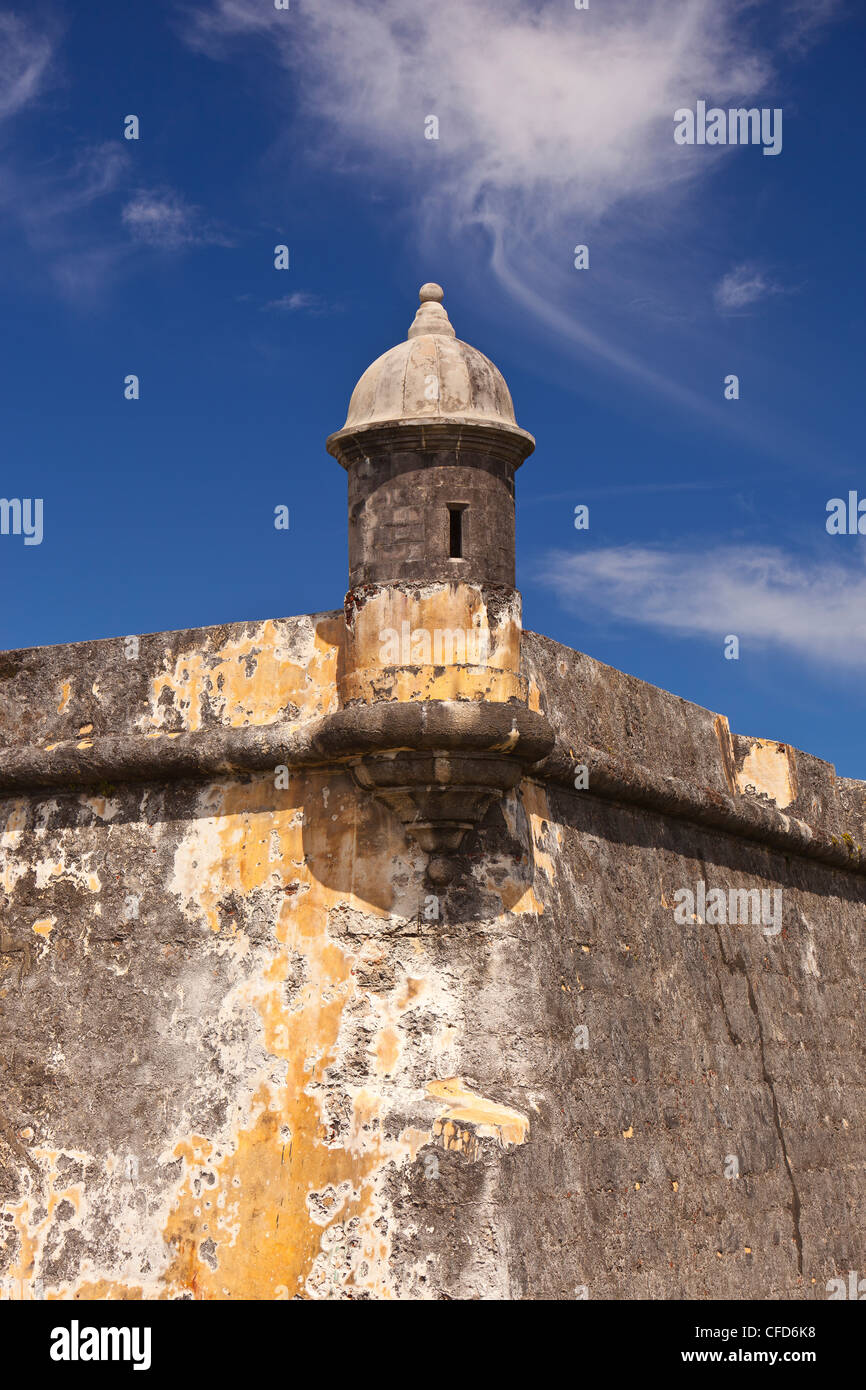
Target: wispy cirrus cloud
[
  {"x": 301, "y": 301},
  {"x": 555, "y": 127},
  {"x": 53, "y": 208},
  {"x": 72, "y": 191},
  {"x": 805, "y": 20},
  {"x": 25, "y": 56},
  {"x": 38, "y": 200},
  {"x": 162, "y": 218},
  {"x": 585, "y": 105},
  {"x": 810, "y": 608},
  {"x": 743, "y": 286},
  {"x": 71, "y": 210},
  {"x": 63, "y": 189}
]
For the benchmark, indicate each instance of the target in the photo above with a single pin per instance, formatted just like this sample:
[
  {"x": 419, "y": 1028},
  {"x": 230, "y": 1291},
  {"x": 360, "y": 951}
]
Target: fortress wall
[
  {"x": 702, "y": 1042},
  {"x": 240, "y": 1056},
  {"x": 590, "y": 704},
  {"x": 167, "y": 682}
]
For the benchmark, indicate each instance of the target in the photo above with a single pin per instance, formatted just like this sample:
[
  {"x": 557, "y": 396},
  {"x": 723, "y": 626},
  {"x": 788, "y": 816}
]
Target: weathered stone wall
[{"x": 243, "y": 1057}]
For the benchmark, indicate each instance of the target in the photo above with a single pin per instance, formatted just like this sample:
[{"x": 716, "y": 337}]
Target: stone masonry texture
[{"x": 248, "y": 1052}]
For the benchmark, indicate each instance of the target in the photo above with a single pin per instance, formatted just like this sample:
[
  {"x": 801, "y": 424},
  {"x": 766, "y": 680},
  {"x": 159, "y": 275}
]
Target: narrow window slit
[{"x": 455, "y": 538}]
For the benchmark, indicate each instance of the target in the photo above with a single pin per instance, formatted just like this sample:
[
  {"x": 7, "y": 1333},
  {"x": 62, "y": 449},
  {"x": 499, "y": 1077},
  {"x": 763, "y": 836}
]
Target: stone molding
[{"x": 471, "y": 729}]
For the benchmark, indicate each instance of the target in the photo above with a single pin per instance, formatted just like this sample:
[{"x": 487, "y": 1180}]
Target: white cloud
[
  {"x": 805, "y": 19},
  {"x": 556, "y": 127},
  {"x": 24, "y": 58},
  {"x": 162, "y": 218},
  {"x": 37, "y": 198},
  {"x": 742, "y": 286},
  {"x": 299, "y": 300},
  {"x": 58, "y": 190},
  {"x": 541, "y": 109},
  {"x": 82, "y": 273},
  {"x": 811, "y": 609},
  {"x": 64, "y": 195},
  {"x": 68, "y": 188}
]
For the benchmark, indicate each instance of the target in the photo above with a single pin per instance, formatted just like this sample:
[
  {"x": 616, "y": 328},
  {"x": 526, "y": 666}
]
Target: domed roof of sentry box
[{"x": 432, "y": 376}]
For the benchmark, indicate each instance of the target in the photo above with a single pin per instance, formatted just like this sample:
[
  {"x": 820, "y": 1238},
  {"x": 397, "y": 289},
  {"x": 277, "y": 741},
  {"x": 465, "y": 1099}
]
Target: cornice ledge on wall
[
  {"x": 349, "y": 734},
  {"x": 473, "y": 726},
  {"x": 618, "y": 779}
]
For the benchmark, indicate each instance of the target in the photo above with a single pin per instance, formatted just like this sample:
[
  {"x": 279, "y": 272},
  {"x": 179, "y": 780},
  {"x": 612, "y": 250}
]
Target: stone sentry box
[
  {"x": 431, "y": 446},
  {"x": 431, "y": 426}
]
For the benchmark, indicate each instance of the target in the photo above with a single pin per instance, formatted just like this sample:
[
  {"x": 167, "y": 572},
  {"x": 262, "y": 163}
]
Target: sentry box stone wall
[{"x": 335, "y": 966}]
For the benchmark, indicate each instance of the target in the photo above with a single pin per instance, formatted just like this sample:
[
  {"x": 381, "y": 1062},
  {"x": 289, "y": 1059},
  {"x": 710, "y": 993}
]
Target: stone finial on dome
[{"x": 431, "y": 317}]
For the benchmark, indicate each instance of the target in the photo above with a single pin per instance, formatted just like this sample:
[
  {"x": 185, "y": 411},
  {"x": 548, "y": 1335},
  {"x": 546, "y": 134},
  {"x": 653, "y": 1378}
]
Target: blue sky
[{"x": 306, "y": 127}]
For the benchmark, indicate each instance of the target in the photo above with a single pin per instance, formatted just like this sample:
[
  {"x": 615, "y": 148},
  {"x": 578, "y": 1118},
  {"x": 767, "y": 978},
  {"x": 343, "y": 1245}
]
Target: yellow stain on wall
[
  {"x": 431, "y": 683},
  {"x": 489, "y": 1119},
  {"x": 33, "y": 1217},
  {"x": 287, "y": 1180},
  {"x": 280, "y": 1196},
  {"x": 768, "y": 768},
  {"x": 284, "y": 1200},
  {"x": 455, "y": 617},
  {"x": 15, "y": 823},
  {"x": 387, "y": 1050},
  {"x": 533, "y": 799},
  {"x": 252, "y": 678}
]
